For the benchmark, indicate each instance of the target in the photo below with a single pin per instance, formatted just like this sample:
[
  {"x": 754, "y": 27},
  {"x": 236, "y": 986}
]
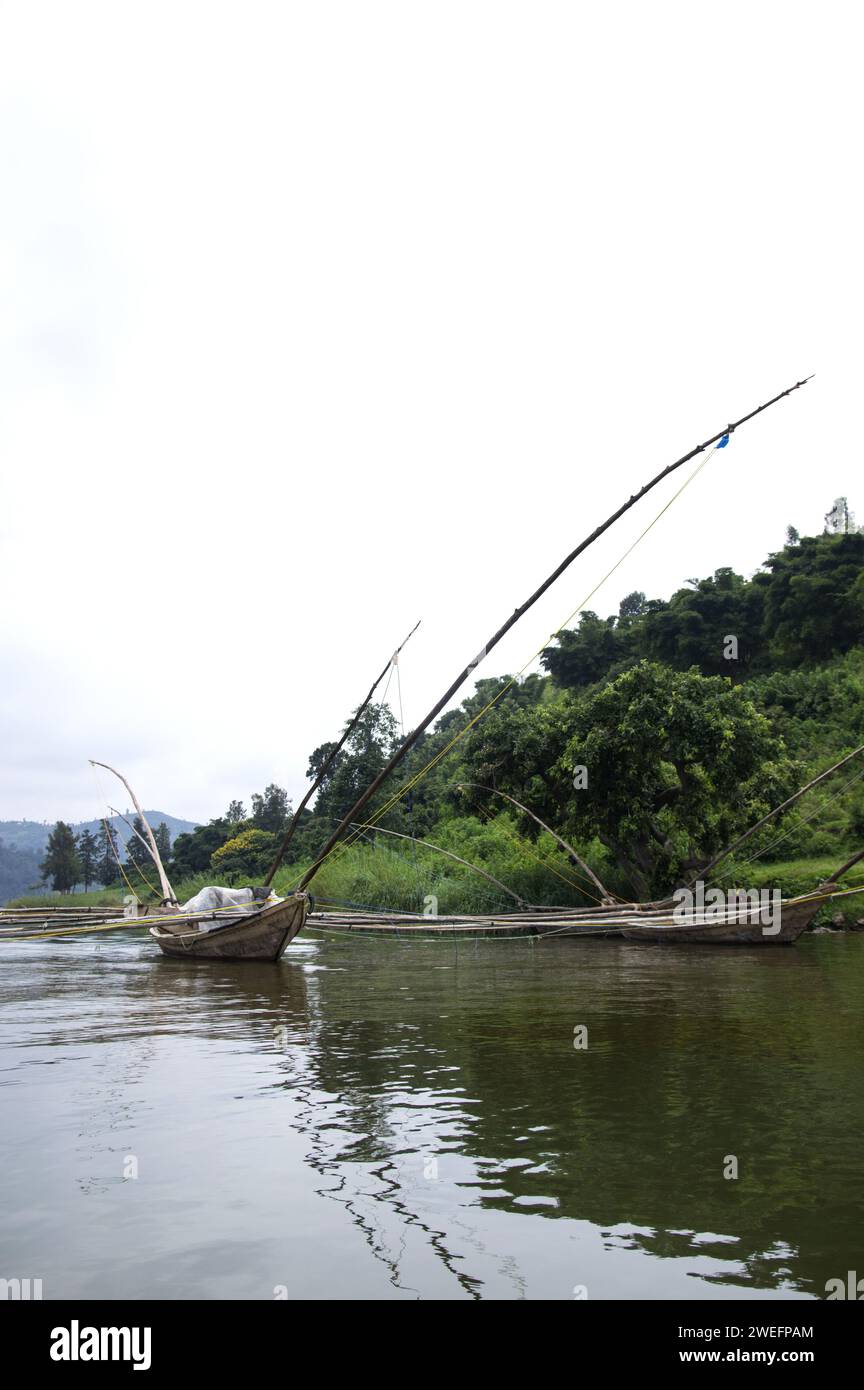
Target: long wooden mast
[
  {"x": 322, "y": 773},
  {"x": 406, "y": 746}
]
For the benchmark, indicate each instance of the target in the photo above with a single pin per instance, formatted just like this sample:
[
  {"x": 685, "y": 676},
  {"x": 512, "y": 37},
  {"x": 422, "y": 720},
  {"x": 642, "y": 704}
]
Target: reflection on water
[{"x": 412, "y": 1119}]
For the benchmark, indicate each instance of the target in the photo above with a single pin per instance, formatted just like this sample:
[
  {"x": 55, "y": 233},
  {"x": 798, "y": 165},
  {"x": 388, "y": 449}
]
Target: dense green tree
[
  {"x": 587, "y": 653},
  {"x": 677, "y": 764},
  {"x": 247, "y": 855},
  {"x": 364, "y": 755},
  {"x": 271, "y": 810},
  {"x": 715, "y": 625},
  {"x": 138, "y": 853},
  {"x": 632, "y": 606},
  {"x": 517, "y": 750},
  {"x": 192, "y": 852},
  {"x": 88, "y": 857},
  {"x": 107, "y": 871},
  {"x": 813, "y": 597},
  {"x": 162, "y": 836},
  {"x": 61, "y": 863},
  {"x": 236, "y": 813},
  {"x": 318, "y": 760}
]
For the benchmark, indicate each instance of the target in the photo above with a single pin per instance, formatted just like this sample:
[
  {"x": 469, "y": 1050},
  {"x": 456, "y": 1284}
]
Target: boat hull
[
  {"x": 745, "y": 929},
  {"x": 258, "y": 936}
]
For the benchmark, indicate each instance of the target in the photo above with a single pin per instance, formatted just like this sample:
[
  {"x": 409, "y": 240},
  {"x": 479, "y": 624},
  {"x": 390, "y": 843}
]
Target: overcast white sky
[{"x": 319, "y": 318}]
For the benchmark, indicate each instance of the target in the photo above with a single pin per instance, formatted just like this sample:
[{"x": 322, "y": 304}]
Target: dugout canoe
[
  {"x": 740, "y": 926},
  {"x": 261, "y": 935}
]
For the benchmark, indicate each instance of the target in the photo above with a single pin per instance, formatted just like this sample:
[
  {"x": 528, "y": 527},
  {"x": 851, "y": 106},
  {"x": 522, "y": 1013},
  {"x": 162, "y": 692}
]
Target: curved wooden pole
[
  {"x": 379, "y": 830},
  {"x": 130, "y": 826},
  {"x": 505, "y": 627},
  {"x": 607, "y": 896},
  {"x": 167, "y": 890},
  {"x": 295, "y": 819}
]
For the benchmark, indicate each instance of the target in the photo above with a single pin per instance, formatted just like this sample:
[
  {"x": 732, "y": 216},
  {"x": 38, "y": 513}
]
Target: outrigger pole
[
  {"x": 493, "y": 641},
  {"x": 295, "y": 819},
  {"x": 607, "y": 897},
  {"x": 167, "y": 890}
]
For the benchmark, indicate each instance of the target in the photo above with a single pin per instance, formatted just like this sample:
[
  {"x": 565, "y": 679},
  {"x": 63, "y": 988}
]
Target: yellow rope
[{"x": 110, "y": 839}]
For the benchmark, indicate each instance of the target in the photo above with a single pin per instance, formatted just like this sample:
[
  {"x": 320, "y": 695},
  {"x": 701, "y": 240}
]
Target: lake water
[{"x": 404, "y": 1119}]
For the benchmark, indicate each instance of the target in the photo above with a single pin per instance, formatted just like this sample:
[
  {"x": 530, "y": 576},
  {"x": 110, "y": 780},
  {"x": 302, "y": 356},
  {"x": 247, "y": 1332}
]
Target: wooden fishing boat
[
  {"x": 635, "y": 921},
  {"x": 261, "y": 934},
  {"x": 743, "y": 926}
]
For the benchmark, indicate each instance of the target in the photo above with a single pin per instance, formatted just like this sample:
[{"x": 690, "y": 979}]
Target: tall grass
[{"x": 405, "y": 878}]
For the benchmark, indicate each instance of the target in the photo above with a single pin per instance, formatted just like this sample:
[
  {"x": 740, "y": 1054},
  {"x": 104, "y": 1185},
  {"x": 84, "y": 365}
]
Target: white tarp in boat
[
  {"x": 241, "y": 902},
  {"x": 213, "y": 899}
]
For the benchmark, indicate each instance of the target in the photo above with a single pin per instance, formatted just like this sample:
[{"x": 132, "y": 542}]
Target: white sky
[{"x": 319, "y": 318}]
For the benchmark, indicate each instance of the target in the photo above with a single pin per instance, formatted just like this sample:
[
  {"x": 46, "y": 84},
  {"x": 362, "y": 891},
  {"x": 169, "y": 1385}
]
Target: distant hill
[
  {"x": 19, "y": 870},
  {"x": 23, "y": 844}
]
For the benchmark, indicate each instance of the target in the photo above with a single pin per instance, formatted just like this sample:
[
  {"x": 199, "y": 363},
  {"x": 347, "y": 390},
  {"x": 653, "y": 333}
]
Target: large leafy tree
[
  {"x": 61, "y": 863},
  {"x": 444, "y": 747},
  {"x": 247, "y": 855},
  {"x": 517, "y": 750},
  {"x": 677, "y": 765},
  {"x": 271, "y": 810}
]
